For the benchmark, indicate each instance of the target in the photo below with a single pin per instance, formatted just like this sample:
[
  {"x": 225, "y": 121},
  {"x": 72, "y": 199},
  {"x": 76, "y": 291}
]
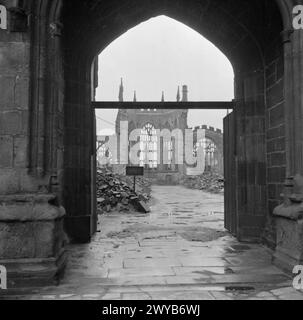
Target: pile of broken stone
[
  {"x": 115, "y": 193},
  {"x": 209, "y": 181}
]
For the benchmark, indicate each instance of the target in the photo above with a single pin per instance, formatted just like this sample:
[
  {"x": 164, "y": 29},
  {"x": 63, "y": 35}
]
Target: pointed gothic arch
[{"x": 59, "y": 46}]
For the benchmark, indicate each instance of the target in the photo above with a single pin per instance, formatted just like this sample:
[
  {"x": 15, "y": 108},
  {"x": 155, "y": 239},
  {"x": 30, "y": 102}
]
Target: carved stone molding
[{"x": 30, "y": 207}]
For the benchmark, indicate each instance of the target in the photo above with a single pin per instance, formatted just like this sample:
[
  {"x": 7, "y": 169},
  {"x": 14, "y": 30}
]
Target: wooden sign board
[{"x": 134, "y": 171}]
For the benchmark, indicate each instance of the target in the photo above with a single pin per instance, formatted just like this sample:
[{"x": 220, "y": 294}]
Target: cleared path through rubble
[{"x": 178, "y": 251}]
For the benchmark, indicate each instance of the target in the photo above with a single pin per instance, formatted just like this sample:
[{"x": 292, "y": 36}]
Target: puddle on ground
[
  {"x": 215, "y": 271},
  {"x": 240, "y": 247},
  {"x": 203, "y": 235}
]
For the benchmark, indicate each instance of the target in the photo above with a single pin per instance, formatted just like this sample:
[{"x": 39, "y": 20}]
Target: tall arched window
[
  {"x": 210, "y": 153},
  {"x": 149, "y": 147}
]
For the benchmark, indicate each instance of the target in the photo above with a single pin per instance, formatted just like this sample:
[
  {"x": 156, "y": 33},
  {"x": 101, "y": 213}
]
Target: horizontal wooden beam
[{"x": 206, "y": 105}]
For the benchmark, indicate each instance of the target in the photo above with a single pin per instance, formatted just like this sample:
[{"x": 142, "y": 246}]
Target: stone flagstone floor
[{"x": 178, "y": 251}]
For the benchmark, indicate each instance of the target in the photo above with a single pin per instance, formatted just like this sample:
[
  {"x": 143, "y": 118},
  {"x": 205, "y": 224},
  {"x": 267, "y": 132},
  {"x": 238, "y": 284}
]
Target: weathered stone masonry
[{"x": 47, "y": 137}]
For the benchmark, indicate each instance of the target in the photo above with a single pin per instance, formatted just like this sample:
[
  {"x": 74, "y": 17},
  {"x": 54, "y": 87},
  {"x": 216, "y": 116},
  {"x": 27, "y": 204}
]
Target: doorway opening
[
  {"x": 148, "y": 118},
  {"x": 167, "y": 224},
  {"x": 170, "y": 54}
]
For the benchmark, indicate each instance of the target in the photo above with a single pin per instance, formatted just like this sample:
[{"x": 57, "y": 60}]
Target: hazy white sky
[{"x": 160, "y": 55}]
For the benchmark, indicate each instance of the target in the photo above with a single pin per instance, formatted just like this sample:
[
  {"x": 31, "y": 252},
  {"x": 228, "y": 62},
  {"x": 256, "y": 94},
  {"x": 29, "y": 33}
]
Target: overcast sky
[{"x": 160, "y": 55}]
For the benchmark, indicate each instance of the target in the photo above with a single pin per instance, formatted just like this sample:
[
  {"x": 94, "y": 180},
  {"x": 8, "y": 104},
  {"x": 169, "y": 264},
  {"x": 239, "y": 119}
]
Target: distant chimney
[
  {"x": 162, "y": 99},
  {"x": 135, "y": 96},
  {"x": 185, "y": 94}
]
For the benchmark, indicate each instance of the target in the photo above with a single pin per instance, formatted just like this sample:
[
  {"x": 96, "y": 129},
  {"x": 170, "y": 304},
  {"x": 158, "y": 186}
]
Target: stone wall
[
  {"x": 160, "y": 120},
  {"x": 276, "y": 140},
  {"x": 32, "y": 239},
  {"x": 14, "y": 112},
  {"x": 216, "y": 136}
]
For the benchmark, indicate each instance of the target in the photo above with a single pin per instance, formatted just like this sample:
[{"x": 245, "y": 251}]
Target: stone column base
[
  {"x": 289, "y": 249},
  {"x": 26, "y": 273},
  {"x": 32, "y": 239}
]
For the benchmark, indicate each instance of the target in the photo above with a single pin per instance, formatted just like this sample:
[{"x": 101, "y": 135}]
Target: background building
[{"x": 167, "y": 170}]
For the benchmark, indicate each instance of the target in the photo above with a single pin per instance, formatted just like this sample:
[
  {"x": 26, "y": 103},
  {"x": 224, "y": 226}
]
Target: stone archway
[{"x": 47, "y": 124}]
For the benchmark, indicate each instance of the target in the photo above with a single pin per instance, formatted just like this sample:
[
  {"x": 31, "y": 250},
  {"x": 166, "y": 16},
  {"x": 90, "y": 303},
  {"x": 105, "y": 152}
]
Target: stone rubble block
[
  {"x": 209, "y": 181},
  {"x": 115, "y": 191}
]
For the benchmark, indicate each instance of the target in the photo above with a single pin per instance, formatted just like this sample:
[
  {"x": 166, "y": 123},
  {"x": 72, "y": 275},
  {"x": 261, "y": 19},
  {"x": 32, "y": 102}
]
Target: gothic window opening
[
  {"x": 210, "y": 152},
  {"x": 104, "y": 156},
  {"x": 168, "y": 147},
  {"x": 149, "y": 147}
]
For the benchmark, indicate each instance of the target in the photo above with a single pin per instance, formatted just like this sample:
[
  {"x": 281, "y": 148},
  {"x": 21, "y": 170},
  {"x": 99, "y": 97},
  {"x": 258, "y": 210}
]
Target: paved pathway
[{"x": 178, "y": 251}]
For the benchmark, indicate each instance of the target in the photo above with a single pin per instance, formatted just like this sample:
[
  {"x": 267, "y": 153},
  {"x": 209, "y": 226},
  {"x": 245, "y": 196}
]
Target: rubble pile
[
  {"x": 209, "y": 181},
  {"x": 115, "y": 192}
]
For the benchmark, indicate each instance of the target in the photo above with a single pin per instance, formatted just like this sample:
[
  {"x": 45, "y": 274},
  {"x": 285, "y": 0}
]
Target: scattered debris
[
  {"x": 116, "y": 192},
  {"x": 209, "y": 181}
]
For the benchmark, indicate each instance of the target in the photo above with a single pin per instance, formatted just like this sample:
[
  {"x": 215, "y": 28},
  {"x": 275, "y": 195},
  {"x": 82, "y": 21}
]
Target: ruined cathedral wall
[{"x": 215, "y": 135}]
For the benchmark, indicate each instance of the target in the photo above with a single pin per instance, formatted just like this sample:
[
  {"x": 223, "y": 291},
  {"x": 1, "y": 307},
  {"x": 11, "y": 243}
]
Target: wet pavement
[{"x": 178, "y": 251}]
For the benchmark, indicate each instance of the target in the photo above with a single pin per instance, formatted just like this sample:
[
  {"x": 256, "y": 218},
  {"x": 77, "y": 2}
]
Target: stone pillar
[
  {"x": 31, "y": 219},
  {"x": 289, "y": 215},
  {"x": 293, "y": 55}
]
